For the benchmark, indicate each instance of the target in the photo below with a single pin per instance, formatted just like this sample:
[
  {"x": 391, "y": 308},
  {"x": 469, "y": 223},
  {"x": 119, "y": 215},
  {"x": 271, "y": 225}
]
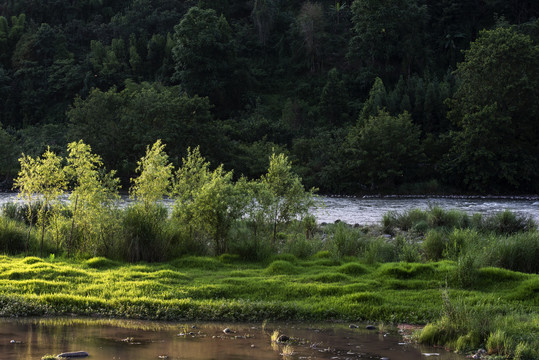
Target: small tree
[
  {"x": 207, "y": 202},
  {"x": 44, "y": 179},
  {"x": 93, "y": 195},
  {"x": 143, "y": 222},
  {"x": 282, "y": 196},
  {"x": 386, "y": 150},
  {"x": 153, "y": 183}
]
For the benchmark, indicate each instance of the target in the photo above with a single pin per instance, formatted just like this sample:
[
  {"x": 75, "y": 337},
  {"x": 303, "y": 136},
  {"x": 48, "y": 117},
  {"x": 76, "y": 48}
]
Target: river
[
  {"x": 26, "y": 339},
  {"x": 370, "y": 210}
]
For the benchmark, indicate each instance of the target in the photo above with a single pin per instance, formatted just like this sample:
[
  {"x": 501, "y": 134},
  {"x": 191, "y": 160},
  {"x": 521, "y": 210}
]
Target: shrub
[
  {"x": 407, "y": 251},
  {"x": 434, "y": 245},
  {"x": 457, "y": 242},
  {"x": 470, "y": 341},
  {"x": 302, "y": 247}
]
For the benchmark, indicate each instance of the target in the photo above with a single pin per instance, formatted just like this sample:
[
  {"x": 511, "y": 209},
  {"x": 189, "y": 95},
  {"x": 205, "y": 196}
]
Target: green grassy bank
[{"x": 501, "y": 308}]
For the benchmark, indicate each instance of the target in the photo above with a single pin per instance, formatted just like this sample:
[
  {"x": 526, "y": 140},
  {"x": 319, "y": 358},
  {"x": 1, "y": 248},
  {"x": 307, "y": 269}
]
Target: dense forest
[{"x": 408, "y": 96}]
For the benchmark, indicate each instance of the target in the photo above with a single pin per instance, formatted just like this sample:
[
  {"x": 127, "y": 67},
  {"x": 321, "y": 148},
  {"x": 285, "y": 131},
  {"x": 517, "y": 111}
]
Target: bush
[
  {"x": 434, "y": 245},
  {"x": 458, "y": 241},
  {"x": 407, "y": 251},
  {"x": 524, "y": 351}
]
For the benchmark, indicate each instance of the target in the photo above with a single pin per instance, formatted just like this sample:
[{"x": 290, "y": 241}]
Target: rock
[
  {"x": 353, "y": 326},
  {"x": 370, "y": 327},
  {"x": 283, "y": 338},
  {"x": 479, "y": 354},
  {"x": 227, "y": 331},
  {"x": 73, "y": 354}
]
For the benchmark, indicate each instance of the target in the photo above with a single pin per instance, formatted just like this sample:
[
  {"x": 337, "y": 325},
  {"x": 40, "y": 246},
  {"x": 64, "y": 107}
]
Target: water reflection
[{"x": 118, "y": 339}]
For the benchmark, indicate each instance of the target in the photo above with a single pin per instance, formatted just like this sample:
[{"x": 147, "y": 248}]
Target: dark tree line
[{"x": 367, "y": 95}]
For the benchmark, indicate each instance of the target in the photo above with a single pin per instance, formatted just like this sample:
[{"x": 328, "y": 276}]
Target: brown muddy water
[{"x": 25, "y": 339}]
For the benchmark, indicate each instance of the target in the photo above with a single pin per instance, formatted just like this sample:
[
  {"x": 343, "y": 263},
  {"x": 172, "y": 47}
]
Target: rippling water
[
  {"x": 369, "y": 210},
  {"x": 355, "y": 210}
]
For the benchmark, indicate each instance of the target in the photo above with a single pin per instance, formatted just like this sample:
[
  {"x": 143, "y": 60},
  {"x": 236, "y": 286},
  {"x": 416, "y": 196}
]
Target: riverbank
[{"x": 285, "y": 288}]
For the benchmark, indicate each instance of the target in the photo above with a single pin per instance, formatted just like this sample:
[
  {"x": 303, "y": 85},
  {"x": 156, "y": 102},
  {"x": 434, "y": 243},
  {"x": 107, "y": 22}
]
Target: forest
[{"x": 364, "y": 96}]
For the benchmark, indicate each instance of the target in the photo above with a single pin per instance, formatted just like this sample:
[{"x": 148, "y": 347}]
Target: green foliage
[
  {"x": 143, "y": 236},
  {"x": 386, "y": 150},
  {"x": 388, "y": 37},
  {"x": 207, "y": 202},
  {"x": 119, "y": 125},
  {"x": 334, "y": 99},
  {"x": 495, "y": 111},
  {"x": 281, "y": 267},
  {"x": 13, "y": 238},
  {"x": 92, "y": 201},
  {"x": 205, "y": 58},
  {"x": 41, "y": 178},
  {"x": 434, "y": 245},
  {"x": 155, "y": 173},
  {"x": 281, "y": 195}
]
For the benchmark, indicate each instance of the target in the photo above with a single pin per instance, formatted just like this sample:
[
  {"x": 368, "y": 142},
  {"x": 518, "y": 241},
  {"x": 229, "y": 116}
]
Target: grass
[{"x": 240, "y": 291}]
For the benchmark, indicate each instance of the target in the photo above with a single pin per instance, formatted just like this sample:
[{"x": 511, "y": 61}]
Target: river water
[
  {"x": 26, "y": 339},
  {"x": 370, "y": 210}
]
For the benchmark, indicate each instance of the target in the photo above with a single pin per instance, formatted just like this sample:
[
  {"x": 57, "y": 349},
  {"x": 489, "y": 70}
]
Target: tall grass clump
[
  {"x": 143, "y": 236},
  {"x": 449, "y": 219},
  {"x": 507, "y": 223},
  {"x": 12, "y": 236},
  {"x": 460, "y": 326},
  {"x": 248, "y": 245},
  {"x": 344, "y": 240},
  {"x": 519, "y": 252},
  {"x": 379, "y": 251}
]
